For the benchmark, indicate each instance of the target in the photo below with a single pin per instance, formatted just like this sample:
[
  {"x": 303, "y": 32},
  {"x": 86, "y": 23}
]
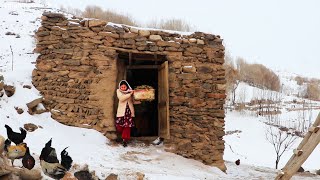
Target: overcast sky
[{"x": 283, "y": 35}]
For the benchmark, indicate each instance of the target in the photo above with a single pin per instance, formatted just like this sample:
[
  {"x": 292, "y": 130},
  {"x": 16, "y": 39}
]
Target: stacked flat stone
[{"x": 76, "y": 72}]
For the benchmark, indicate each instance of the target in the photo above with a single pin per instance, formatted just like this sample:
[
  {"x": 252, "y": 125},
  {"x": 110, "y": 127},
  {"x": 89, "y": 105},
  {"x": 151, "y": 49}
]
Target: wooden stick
[
  {"x": 314, "y": 129},
  {"x": 305, "y": 139},
  {"x": 307, "y": 145}
]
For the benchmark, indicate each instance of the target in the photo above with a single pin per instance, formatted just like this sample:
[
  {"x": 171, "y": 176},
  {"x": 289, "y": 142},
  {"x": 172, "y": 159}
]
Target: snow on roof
[
  {"x": 150, "y": 29},
  {"x": 74, "y": 23}
]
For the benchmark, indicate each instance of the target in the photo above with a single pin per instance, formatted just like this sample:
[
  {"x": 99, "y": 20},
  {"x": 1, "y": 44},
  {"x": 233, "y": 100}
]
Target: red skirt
[{"x": 124, "y": 124}]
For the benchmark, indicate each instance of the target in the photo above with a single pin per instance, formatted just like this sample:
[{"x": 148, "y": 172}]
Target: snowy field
[
  {"x": 249, "y": 142},
  {"x": 91, "y": 148}
]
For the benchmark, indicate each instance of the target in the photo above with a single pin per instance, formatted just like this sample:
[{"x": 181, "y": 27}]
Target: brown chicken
[
  {"x": 27, "y": 160},
  {"x": 15, "y": 152}
]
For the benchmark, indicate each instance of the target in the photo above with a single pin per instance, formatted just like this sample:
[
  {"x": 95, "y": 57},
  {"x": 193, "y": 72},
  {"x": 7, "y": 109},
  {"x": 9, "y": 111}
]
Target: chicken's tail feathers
[
  {"x": 7, "y": 143},
  {"x": 45, "y": 152},
  {"x": 23, "y": 132},
  {"x": 8, "y": 127},
  {"x": 28, "y": 151},
  {"x": 48, "y": 144},
  {"x": 66, "y": 160}
]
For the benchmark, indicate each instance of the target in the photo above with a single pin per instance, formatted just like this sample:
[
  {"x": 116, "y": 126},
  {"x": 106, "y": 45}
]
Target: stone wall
[{"x": 77, "y": 68}]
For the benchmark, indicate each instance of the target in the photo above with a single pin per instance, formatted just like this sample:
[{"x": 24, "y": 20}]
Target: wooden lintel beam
[
  {"x": 138, "y": 52},
  {"x": 145, "y": 59},
  {"x": 143, "y": 67},
  {"x": 140, "y": 58}
]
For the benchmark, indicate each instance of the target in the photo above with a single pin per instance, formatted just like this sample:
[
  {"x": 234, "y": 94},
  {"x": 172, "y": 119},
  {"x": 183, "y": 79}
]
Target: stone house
[{"x": 81, "y": 62}]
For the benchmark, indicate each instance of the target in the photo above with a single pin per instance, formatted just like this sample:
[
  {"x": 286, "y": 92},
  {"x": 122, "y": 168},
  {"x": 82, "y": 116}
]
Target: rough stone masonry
[{"x": 76, "y": 73}]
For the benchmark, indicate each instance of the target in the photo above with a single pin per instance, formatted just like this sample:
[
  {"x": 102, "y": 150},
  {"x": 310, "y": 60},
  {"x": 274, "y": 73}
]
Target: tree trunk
[
  {"x": 277, "y": 162},
  {"x": 233, "y": 97}
]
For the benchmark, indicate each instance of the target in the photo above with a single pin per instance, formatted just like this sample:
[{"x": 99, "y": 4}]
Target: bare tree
[
  {"x": 107, "y": 15},
  {"x": 257, "y": 75},
  {"x": 231, "y": 77},
  {"x": 312, "y": 91},
  {"x": 241, "y": 100},
  {"x": 280, "y": 140},
  {"x": 171, "y": 24},
  {"x": 310, "y": 114},
  {"x": 233, "y": 91},
  {"x": 74, "y": 11},
  {"x": 303, "y": 116},
  {"x": 261, "y": 98},
  {"x": 44, "y": 3},
  {"x": 272, "y": 106}
]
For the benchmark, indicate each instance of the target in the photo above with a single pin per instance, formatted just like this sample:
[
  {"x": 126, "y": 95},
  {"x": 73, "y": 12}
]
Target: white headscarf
[{"x": 128, "y": 85}]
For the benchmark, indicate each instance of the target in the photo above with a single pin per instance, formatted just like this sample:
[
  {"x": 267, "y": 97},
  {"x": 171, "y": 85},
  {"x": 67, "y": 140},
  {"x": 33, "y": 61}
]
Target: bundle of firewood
[{"x": 144, "y": 93}]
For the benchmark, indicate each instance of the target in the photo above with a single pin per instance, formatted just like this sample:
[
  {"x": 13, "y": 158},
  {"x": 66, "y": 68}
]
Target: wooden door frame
[
  {"x": 160, "y": 62},
  {"x": 163, "y": 101}
]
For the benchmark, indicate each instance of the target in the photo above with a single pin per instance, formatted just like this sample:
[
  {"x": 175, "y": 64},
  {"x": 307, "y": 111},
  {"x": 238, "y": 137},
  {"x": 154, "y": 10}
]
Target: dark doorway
[{"x": 146, "y": 113}]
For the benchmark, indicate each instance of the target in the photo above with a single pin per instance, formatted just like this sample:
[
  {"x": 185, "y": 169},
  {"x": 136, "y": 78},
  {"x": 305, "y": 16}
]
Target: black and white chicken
[{"x": 50, "y": 164}]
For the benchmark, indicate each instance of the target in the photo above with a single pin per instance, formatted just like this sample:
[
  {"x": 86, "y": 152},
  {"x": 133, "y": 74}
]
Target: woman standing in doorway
[{"x": 125, "y": 111}]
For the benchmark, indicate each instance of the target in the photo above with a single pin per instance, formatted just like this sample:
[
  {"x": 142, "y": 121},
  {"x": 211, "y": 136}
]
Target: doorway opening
[
  {"x": 146, "y": 113},
  {"x": 151, "y": 118}
]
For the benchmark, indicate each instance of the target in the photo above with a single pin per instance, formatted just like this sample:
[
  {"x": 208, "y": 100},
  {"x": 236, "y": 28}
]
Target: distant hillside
[{"x": 258, "y": 75}]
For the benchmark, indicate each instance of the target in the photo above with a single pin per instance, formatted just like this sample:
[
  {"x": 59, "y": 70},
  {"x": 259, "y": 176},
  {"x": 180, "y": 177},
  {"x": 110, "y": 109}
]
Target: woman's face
[{"x": 123, "y": 87}]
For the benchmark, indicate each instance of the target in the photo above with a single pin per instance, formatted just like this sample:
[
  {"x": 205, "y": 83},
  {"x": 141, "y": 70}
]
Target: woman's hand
[{"x": 137, "y": 102}]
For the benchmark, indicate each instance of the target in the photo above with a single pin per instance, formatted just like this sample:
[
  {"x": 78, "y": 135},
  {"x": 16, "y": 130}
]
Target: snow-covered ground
[
  {"x": 249, "y": 142},
  {"x": 251, "y": 146},
  {"x": 92, "y": 148}
]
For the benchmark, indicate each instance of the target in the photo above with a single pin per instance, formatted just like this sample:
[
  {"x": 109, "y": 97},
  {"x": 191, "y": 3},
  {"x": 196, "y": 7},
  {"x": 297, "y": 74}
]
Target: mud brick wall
[{"x": 76, "y": 73}]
